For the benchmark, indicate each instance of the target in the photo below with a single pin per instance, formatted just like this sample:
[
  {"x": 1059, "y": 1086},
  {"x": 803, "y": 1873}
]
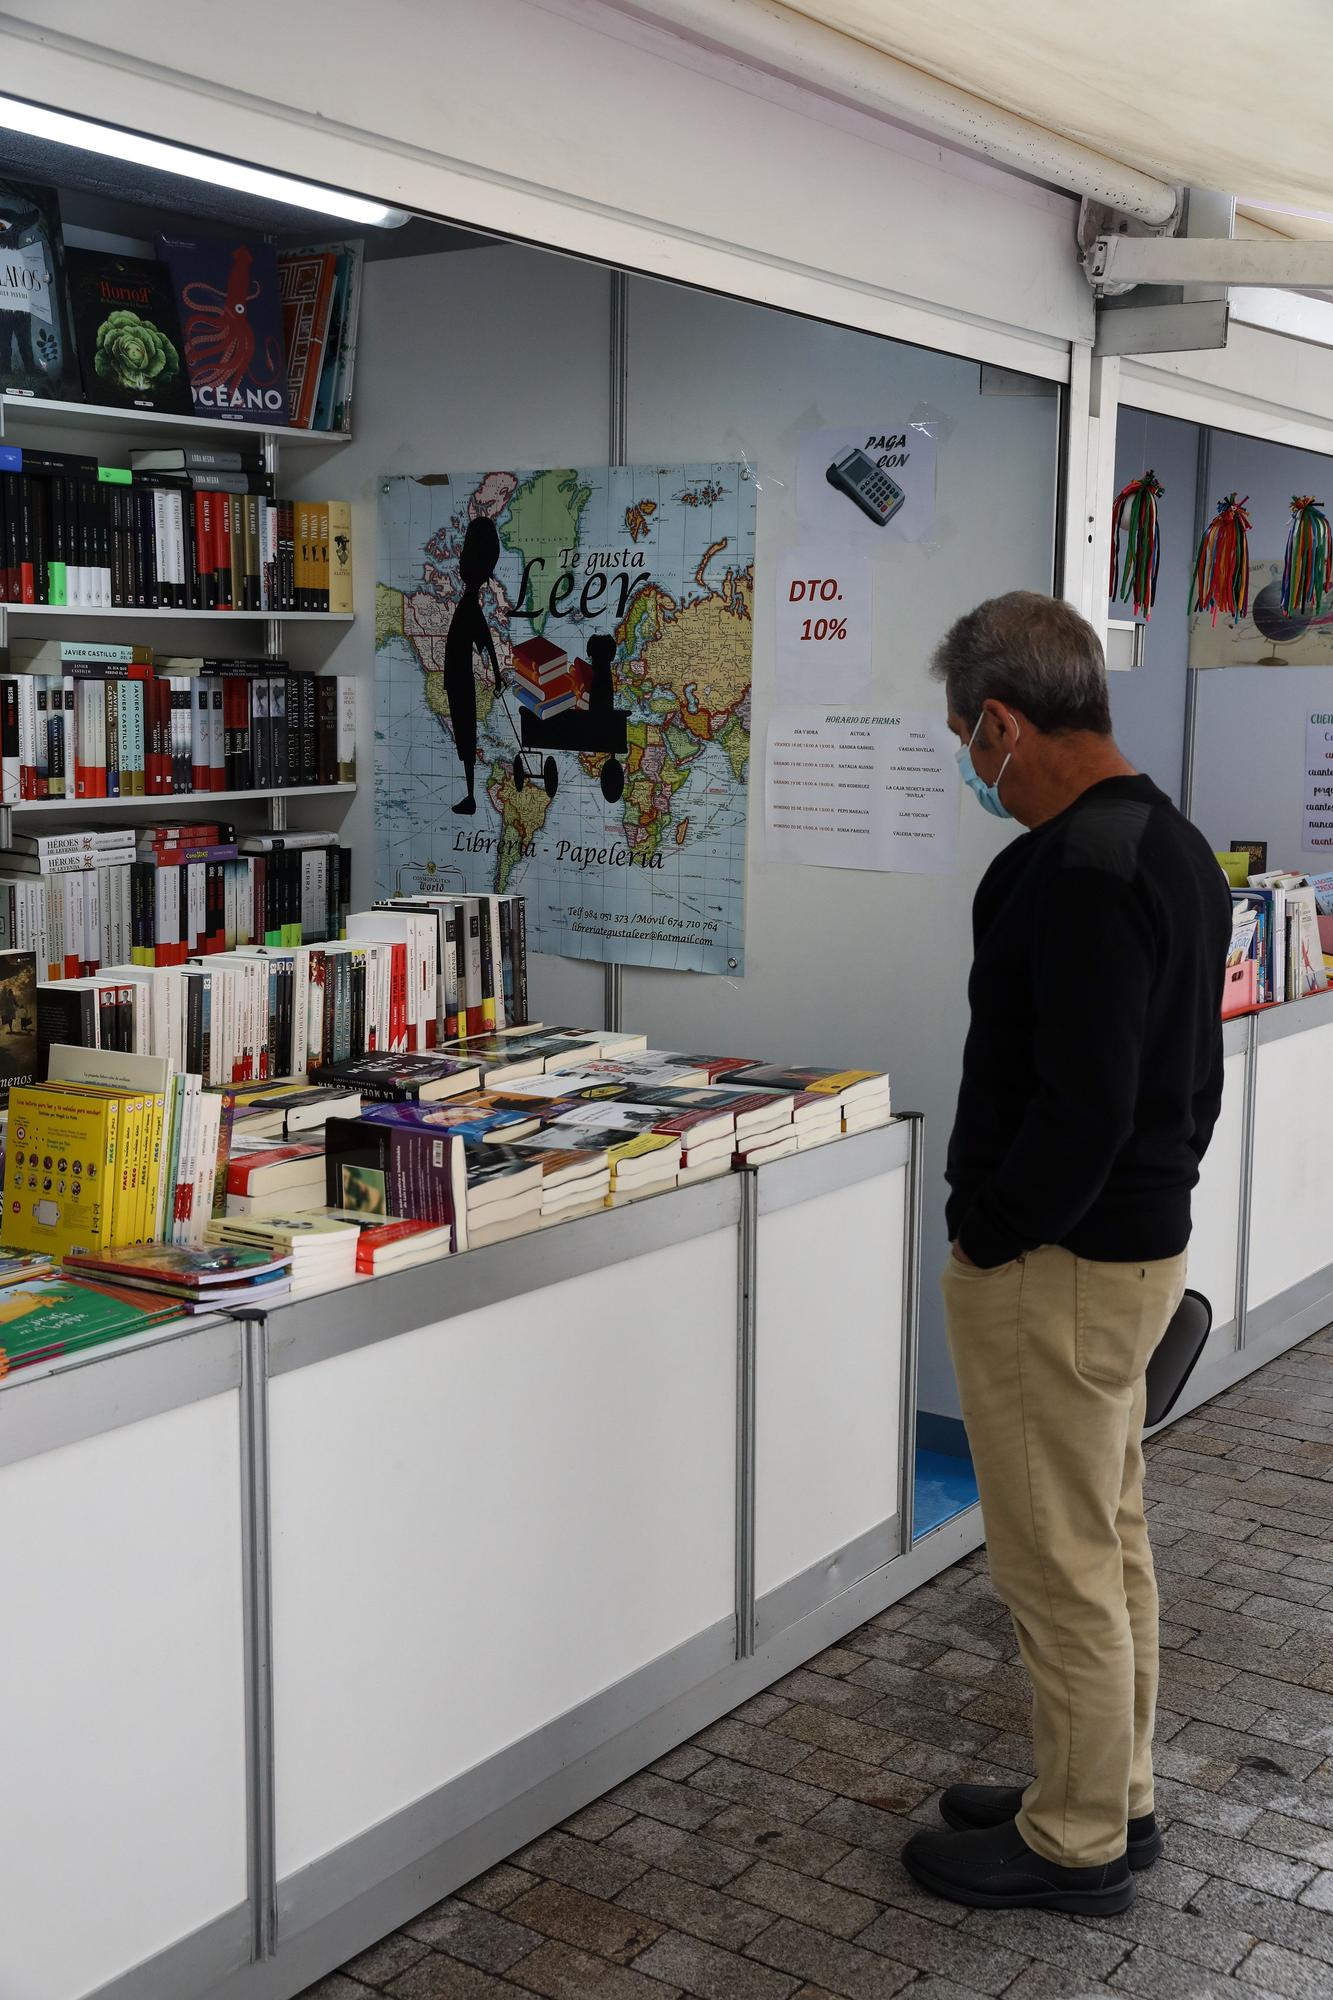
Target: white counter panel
[
  {"x": 1215, "y": 1240},
  {"x": 447, "y": 1577},
  {"x": 828, "y": 1366},
  {"x": 1291, "y": 1214},
  {"x": 122, "y": 1800}
]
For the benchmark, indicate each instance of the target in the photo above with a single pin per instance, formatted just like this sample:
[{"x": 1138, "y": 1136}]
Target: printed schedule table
[{"x": 859, "y": 790}]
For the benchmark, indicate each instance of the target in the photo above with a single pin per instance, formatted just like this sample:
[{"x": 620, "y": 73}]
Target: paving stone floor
[{"x": 760, "y": 1861}]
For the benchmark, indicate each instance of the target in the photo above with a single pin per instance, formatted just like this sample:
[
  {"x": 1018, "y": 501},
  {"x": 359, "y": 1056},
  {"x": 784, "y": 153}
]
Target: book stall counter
[
  {"x": 124, "y": 1577},
  {"x": 421, "y": 1566},
  {"x": 1262, "y": 1249}
]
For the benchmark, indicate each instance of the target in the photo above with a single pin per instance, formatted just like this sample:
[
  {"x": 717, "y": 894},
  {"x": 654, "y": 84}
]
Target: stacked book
[
  {"x": 320, "y": 1250},
  {"x": 266, "y": 1180},
  {"x": 111, "y": 895},
  {"x": 383, "y": 1247},
  {"x": 104, "y": 720},
  {"x": 546, "y": 681},
  {"x": 479, "y": 950},
  {"x": 503, "y": 1193},
  {"x": 48, "y": 1317},
  {"x": 214, "y": 1277}
]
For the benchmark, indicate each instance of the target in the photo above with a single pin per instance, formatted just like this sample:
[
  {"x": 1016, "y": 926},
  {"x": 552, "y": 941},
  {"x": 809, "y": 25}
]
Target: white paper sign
[
  {"x": 1317, "y": 832},
  {"x": 864, "y": 485},
  {"x": 847, "y": 790},
  {"x": 822, "y": 651}
]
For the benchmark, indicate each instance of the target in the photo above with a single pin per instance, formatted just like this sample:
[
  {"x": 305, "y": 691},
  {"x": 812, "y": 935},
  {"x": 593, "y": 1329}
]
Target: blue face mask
[{"x": 988, "y": 796}]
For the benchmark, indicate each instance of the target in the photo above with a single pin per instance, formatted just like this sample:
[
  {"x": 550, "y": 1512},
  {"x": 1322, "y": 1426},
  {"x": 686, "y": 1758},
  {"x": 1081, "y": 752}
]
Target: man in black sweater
[{"x": 1092, "y": 1078}]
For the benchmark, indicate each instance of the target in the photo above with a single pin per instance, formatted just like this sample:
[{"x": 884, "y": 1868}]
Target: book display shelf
[{"x": 35, "y": 420}]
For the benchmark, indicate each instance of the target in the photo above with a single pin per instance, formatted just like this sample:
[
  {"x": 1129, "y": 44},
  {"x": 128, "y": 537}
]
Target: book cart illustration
[{"x": 567, "y": 705}]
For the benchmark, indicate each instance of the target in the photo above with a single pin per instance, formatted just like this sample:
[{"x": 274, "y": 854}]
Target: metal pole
[
  {"x": 1202, "y": 473},
  {"x": 276, "y": 804},
  {"x": 261, "y": 1824},
  {"x": 613, "y": 993},
  {"x": 911, "y": 1334},
  {"x": 1248, "y": 1110},
  {"x": 746, "y": 1329}
]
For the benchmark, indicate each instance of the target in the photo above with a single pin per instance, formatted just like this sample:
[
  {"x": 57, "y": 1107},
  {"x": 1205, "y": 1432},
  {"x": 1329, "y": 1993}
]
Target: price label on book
[{"x": 823, "y": 624}]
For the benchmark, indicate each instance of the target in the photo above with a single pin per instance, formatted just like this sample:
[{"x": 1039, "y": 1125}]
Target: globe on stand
[{"x": 1279, "y": 627}]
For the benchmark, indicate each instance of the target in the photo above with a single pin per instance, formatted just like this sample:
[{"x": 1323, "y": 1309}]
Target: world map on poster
[{"x": 647, "y": 570}]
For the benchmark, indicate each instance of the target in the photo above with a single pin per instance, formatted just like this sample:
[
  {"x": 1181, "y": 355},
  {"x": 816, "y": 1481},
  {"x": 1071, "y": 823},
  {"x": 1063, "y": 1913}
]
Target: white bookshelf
[
  {"x": 34, "y": 416},
  {"x": 174, "y": 802},
  {"x": 180, "y": 615},
  {"x": 147, "y": 426}
]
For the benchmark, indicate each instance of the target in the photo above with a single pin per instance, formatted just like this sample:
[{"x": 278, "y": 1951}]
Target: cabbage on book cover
[{"x": 128, "y": 332}]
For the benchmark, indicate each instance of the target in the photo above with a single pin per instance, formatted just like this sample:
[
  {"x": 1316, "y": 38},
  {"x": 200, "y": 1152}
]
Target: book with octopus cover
[{"x": 231, "y": 326}]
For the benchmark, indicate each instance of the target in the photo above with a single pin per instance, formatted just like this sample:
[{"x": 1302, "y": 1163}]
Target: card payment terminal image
[{"x": 857, "y": 475}]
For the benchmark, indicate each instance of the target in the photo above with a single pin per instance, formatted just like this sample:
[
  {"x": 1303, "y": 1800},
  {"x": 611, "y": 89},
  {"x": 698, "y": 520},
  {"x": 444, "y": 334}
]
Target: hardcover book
[
  {"x": 18, "y": 1020},
  {"x": 231, "y": 324},
  {"x": 127, "y": 332},
  {"x": 37, "y": 355}
]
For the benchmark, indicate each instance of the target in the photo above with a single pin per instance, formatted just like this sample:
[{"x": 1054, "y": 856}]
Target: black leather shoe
[
  {"x": 969, "y": 1807},
  {"x": 995, "y": 1869}
]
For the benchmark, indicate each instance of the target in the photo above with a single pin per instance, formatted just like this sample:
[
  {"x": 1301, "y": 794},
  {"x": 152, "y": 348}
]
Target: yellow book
[
  {"x": 340, "y": 555},
  {"x": 60, "y": 1170},
  {"x": 1236, "y": 867},
  {"x": 156, "y": 1123},
  {"x": 139, "y": 1183},
  {"x": 124, "y": 1202}
]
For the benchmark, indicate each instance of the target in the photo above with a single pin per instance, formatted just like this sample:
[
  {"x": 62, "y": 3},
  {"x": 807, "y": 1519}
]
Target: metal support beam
[
  {"x": 613, "y": 991},
  {"x": 747, "y": 1281},
  {"x": 1212, "y": 260},
  {"x": 1171, "y": 317},
  {"x": 256, "y": 1542},
  {"x": 1203, "y": 461}
]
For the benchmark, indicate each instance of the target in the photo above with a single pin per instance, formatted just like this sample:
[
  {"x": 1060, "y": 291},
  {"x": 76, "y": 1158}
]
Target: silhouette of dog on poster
[{"x": 468, "y": 635}]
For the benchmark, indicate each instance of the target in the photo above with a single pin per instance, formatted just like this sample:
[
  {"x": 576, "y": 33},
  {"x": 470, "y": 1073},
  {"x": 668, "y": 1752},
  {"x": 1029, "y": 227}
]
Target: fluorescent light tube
[{"x": 64, "y": 130}]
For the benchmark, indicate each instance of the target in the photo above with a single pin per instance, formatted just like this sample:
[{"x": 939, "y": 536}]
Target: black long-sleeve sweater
[{"x": 1092, "y": 1073}]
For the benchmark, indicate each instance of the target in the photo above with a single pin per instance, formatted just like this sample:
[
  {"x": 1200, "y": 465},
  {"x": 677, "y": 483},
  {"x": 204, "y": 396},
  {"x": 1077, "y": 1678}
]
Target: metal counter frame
[{"x": 296, "y": 1929}]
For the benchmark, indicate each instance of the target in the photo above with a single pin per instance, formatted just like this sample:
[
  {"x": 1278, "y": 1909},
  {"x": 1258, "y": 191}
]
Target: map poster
[{"x": 563, "y": 666}]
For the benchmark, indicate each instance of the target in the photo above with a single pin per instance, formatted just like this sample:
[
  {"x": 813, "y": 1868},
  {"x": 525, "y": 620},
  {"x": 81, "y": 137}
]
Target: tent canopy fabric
[{"x": 1208, "y": 93}]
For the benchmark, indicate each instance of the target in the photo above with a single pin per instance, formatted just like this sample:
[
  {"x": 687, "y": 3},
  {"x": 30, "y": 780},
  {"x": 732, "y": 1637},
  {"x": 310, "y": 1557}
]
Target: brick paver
[{"x": 760, "y": 1862}]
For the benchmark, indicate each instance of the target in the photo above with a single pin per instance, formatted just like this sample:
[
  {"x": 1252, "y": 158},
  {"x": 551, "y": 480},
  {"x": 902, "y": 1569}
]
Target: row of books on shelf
[
  {"x": 252, "y": 967},
  {"x": 124, "y": 1171},
  {"x": 1281, "y": 935},
  {"x": 148, "y": 333},
  {"x": 95, "y": 537},
  {"x": 106, "y": 898},
  {"x": 108, "y": 722}
]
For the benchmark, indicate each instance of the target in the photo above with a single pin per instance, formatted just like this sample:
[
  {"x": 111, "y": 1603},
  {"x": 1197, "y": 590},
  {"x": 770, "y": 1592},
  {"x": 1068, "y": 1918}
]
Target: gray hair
[{"x": 1033, "y": 653}]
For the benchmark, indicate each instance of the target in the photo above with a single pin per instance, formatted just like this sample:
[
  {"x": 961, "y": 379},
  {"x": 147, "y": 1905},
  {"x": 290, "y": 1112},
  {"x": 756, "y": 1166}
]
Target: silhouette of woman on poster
[{"x": 468, "y": 634}]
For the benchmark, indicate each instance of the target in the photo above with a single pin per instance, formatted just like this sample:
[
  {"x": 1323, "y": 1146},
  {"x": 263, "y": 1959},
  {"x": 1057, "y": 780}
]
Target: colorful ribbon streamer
[
  {"x": 1221, "y": 580},
  {"x": 1134, "y": 575},
  {"x": 1307, "y": 573}
]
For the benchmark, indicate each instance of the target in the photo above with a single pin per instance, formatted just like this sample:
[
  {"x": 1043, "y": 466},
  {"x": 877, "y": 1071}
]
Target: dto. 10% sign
[{"x": 818, "y": 590}]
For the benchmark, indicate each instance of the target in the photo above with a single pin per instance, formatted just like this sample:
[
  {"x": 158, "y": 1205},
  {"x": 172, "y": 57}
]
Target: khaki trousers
[{"x": 1050, "y": 1354}]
